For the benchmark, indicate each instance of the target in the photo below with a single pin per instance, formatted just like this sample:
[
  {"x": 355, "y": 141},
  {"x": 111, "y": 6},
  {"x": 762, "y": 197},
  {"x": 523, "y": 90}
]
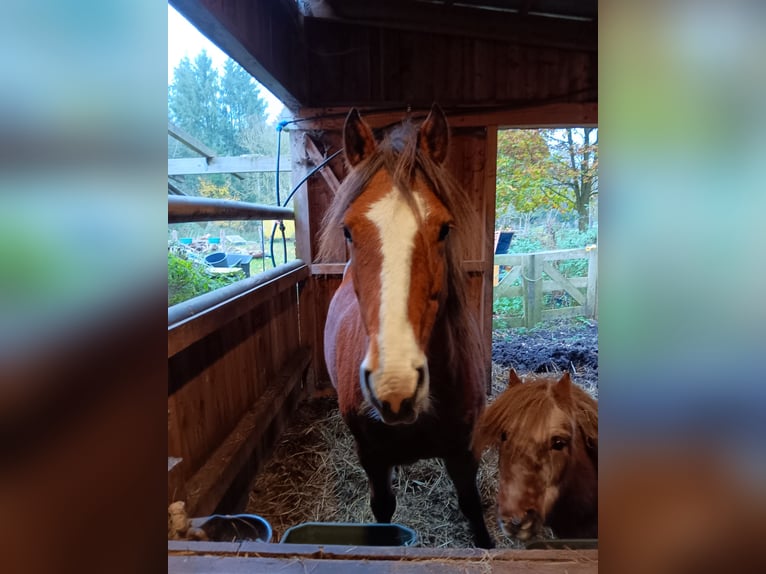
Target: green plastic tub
[{"x": 350, "y": 534}]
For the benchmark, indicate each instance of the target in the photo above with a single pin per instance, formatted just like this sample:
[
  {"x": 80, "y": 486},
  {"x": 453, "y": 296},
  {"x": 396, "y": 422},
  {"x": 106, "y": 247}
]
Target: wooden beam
[
  {"x": 233, "y": 164},
  {"x": 190, "y": 321},
  {"x": 209, "y": 485},
  {"x": 190, "y": 141},
  {"x": 249, "y": 557},
  {"x": 186, "y": 209},
  {"x": 327, "y": 173},
  {"x": 265, "y": 38},
  {"x": 558, "y": 115},
  {"x": 507, "y": 27},
  {"x": 470, "y": 266}
]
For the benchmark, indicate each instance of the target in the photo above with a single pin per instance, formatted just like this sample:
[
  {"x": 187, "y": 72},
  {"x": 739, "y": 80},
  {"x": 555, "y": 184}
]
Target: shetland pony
[
  {"x": 546, "y": 429},
  {"x": 401, "y": 347}
]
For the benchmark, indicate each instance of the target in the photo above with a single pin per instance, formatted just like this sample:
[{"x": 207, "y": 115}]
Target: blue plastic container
[
  {"x": 186, "y": 240},
  {"x": 216, "y": 259},
  {"x": 350, "y": 534},
  {"x": 215, "y": 240}
]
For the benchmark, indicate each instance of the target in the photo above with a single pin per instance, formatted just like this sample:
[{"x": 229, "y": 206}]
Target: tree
[
  {"x": 548, "y": 169},
  {"x": 228, "y": 114},
  {"x": 574, "y": 153},
  {"x": 193, "y": 101},
  {"x": 523, "y": 171},
  {"x": 241, "y": 104}
]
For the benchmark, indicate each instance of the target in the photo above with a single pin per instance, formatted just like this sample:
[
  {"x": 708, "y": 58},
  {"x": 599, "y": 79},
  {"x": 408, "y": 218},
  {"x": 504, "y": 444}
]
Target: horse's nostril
[
  {"x": 421, "y": 377},
  {"x": 530, "y": 514},
  {"x": 406, "y": 408},
  {"x": 367, "y": 374}
]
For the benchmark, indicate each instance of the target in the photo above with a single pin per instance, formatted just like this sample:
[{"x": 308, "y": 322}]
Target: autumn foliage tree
[{"x": 548, "y": 169}]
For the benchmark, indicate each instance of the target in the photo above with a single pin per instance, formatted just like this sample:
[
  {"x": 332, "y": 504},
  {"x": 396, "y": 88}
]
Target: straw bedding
[{"x": 313, "y": 475}]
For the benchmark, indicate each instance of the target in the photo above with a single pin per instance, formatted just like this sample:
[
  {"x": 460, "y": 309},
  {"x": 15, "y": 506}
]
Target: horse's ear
[
  {"x": 562, "y": 390},
  {"x": 513, "y": 378},
  {"x": 433, "y": 138},
  {"x": 358, "y": 140}
]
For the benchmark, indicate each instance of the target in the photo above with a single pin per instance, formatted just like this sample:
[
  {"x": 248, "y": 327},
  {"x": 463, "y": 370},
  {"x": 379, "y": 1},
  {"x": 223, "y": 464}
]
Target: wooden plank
[
  {"x": 327, "y": 173},
  {"x": 256, "y": 558},
  {"x": 303, "y": 229},
  {"x": 471, "y": 266},
  {"x": 191, "y": 320},
  {"x": 510, "y": 277},
  {"x": 289, "y": 565},
  {"x": 354, "y": 553},
  {"x": 591, "y": 302},
  {"x": 208, "y": 486},
  {"x": 532, "y": 30},
  {"x": 265, "y": 38},
  {"x": 532, "y": 276},
  {"x": 328, "y": 268},
  {"x": 557, "y": 255},
  {"x": 564, "y": 282},
  {"x": 190, "y": 141},
  {"x": 230, "y": 164},
  {"x": 488, "y": 199},
  {"x": 572, "y": 114}
]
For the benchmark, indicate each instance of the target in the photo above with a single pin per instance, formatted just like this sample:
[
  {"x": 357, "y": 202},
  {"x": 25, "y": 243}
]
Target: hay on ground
[{"x": 314, "y": 475}]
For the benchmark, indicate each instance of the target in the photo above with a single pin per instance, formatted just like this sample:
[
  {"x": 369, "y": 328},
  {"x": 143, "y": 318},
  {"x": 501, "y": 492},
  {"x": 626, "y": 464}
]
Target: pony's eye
[
  {"x": 444, "y": 231},
  {"x": 347, "y": 234},
  {"x": 558, "y": 443},
  {"x": 503, "y": 436}
]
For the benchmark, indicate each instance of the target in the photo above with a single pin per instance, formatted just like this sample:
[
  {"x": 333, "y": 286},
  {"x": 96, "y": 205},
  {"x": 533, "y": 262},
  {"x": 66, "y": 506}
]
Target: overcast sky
[{"x": 185, "y": 40}]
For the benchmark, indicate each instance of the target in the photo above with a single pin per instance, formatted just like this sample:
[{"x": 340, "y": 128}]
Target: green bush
[
  {"x": 508, "y": 306},
  {"x": 570, "y": 238},
  {"x": 574, "y": 239},
  {"x": 525, "y": 244},
  {"x": 187, "y": 280}
]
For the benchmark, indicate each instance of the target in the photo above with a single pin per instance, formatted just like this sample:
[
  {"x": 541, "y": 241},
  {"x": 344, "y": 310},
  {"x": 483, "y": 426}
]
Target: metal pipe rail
[{"x": 185, "y": 209}]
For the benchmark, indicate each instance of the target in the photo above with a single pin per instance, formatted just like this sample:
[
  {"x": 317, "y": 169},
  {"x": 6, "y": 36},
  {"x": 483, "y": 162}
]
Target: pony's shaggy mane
[{"x": 523, "y": 408}]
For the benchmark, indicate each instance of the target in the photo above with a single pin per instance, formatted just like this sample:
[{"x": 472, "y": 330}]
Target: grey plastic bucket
[
  {"x": 217, "y": 259},
  {"x": 235, "y": 527}
]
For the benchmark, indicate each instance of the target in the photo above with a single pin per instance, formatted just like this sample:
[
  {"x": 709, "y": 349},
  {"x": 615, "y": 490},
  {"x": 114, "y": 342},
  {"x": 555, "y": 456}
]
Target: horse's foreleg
[
  {"x": 382, "y": 499},
  {"x": 462, "y": 470}
]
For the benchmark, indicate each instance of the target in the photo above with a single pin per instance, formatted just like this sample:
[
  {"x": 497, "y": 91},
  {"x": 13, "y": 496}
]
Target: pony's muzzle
[{"x": 522, "y": 527}]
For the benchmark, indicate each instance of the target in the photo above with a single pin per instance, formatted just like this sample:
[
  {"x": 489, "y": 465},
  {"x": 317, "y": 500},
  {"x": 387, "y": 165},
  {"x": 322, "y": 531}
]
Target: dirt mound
[{"x": 551, "y": 347}]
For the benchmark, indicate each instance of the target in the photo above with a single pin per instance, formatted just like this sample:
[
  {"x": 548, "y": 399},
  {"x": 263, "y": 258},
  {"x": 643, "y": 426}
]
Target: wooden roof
[{"x": 471, "y": 55}]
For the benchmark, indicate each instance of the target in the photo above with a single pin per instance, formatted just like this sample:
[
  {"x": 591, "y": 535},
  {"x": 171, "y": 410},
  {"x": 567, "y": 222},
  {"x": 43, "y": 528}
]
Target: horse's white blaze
[{"x": 399, "y": 354}]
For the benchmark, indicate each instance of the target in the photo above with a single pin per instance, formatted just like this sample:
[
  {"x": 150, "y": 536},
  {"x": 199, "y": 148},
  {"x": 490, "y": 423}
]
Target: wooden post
[
  {"x": 591, "y": 295},
  {"x": 532, "y": 277}
]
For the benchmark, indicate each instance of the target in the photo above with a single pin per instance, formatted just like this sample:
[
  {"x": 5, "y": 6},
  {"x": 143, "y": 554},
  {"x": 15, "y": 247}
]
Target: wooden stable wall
[
  {"x": 472, "y": 161},
  {"x": 235, "y": 371},
  {"x": 394, "y": 53}
]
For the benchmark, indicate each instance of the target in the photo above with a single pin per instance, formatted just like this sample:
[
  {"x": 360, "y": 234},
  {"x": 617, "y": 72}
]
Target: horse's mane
[
  {"x": 524, "y": 407},
  {"x": 401, "y": 156}
]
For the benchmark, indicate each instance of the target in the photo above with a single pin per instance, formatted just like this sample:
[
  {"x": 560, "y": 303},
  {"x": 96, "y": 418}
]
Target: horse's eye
[
  {"x": 443, "y": 232},
  {"x": 503, "y": 436},
  {"x": 347, "y": 234},
  {"x": 558, "y": 443}
]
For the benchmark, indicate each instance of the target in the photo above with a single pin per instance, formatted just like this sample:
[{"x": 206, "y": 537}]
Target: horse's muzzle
[{"x": 398, "y": 410}]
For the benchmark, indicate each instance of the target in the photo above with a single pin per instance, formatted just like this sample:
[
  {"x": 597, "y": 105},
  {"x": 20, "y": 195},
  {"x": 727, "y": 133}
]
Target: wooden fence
[{"x": 539, "y": 273}]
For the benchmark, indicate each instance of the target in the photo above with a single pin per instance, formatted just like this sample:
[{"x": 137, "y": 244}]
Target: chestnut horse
[
  {"x": 401, "y": 346},
  {"x": 546, "y": 429}
]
